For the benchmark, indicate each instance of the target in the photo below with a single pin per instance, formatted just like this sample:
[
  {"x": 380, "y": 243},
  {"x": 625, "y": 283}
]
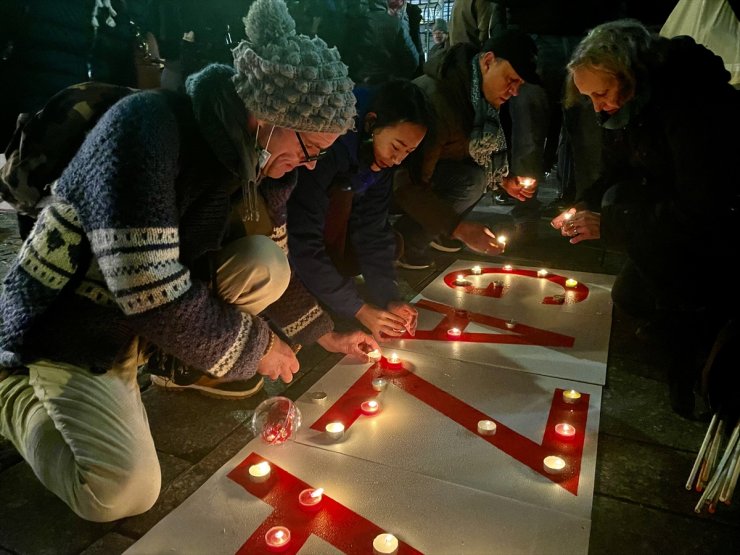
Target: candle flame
[
  {"x": 567, "y": 215},
  {"x": 389, "y": 538},
  {"x": 502, "y": 239},
  {"x": 394, "y": 357},
  {"x": 264, "y": 466},
  {"x": 373, "y": 404},
  {"x": 317, "y": 493},
  {"x": 279, "y": 535}
]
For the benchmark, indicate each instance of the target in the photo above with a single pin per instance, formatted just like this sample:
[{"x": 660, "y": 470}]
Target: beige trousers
[{"x": 87, "y": 436}]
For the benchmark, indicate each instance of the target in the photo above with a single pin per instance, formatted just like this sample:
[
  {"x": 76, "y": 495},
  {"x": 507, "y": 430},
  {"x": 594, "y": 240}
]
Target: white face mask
[{"x": 264, "y": 155}]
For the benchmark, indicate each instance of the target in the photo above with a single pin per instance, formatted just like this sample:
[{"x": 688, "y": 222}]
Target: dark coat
[
  {"x": 670, "y": 179},
  {"x": 341, "y": 177},
  {"x": 446, "y": 82}
]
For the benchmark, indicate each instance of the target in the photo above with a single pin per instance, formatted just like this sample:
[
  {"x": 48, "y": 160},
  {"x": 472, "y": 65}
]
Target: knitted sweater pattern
[{"x": 115, "y": 256}]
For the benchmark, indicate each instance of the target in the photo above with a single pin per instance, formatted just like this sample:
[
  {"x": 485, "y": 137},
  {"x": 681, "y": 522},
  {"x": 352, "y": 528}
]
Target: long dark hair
[{"x": 401, "y": 100}]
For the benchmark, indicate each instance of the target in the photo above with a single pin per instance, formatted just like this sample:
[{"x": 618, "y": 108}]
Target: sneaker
[
  {"x": 415, "y": 262},
  {"x": 503, "y": 199},
  {"x": 180, "y": 377},
  {"x": 214, "y": 388},
  {"x": 447, "y": 244}
]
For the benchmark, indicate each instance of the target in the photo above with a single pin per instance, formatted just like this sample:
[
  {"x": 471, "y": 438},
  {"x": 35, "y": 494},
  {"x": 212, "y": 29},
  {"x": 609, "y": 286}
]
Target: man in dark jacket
[{"x": 468, "y": 154}]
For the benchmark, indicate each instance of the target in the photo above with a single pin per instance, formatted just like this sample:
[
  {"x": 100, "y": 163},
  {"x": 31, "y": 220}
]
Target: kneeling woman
[{"x": 338, "y": 214}]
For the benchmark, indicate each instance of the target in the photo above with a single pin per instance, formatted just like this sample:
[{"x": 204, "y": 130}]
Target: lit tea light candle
[
  {"x": 502, "y": 240},
  {"x": 460, "y": 280},
  {"x": 310, "y": 498},
  {"x": 527, "y": 182},
  {"x": 571, "y": 396},
  {"x": 486, "y": 427},
  {"x": 511, "y": 324},
  {"x": 370, "y": 407},
  {"x": 454, "y": 332},
  {"x": 566, "y": 431},
  {"x": 508, "y": 267},
  {"x": 334, "y": 430},
  {"x": 379, "y": 384},
  {"x": 393, "y": 362},
  {"x": 476, "y": 270},
  {"x": 553, "y": 464},
  {"x": 374, "y": 355},
  {"x": 277, "y": 538},
  {"x": 385, "y": 544},
  {"x": 259, "y": 472},
  {"x": 542, "y": 273},
  {"x": 570, "y": 282}
]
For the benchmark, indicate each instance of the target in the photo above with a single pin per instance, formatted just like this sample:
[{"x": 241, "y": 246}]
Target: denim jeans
[{"x": 462, "y": 183}]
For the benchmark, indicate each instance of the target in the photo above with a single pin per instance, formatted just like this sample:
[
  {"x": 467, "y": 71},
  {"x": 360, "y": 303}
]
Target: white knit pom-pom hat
[{"x": 291, "y": 80}]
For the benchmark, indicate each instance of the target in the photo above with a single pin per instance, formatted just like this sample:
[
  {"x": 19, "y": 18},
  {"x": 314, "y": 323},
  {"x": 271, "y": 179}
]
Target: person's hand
[
  {"x": 380, "y": 321},
  {"x": 478, "y": 238},
  {"x": 407, "y": 312},
  {"x": 562, "y": 219},
  {"x": 584, "y": 225},
  {"x": 520, "y": 188},
  {"x": 355, "y": 343},
  {"x": 279, "y": 362}
]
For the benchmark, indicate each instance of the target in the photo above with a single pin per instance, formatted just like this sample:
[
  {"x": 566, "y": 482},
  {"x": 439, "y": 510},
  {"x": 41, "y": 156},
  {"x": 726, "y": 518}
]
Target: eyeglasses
[{"x": 307, "y": 157}]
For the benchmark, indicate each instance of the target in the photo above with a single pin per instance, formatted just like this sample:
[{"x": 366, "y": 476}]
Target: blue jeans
[{"x": 462, "y": 183}]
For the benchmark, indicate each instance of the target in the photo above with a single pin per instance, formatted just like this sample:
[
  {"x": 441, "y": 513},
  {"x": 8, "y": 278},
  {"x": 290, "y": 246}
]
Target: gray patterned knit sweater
[{"x": 139, "y": 207}]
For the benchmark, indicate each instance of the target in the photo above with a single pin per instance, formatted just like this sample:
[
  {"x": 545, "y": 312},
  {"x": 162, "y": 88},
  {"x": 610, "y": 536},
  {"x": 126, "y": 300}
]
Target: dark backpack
[{"x": 44, "y": 143}]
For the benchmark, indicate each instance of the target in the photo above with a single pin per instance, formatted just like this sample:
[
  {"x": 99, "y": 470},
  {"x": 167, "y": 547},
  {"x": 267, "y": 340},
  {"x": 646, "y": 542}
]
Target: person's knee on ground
[{"x": 252, "y": 273}]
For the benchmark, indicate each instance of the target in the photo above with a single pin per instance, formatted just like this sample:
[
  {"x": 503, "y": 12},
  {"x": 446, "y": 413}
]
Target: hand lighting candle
[
  {"x": 277, "y": 538},
  {"x": 526, "y": 182},
  {"x": 502, "y": 240},
  {"x": 259, "y": 472},
  {"x": 310, "y": 498},
  {"x": 385, "y": 544}
]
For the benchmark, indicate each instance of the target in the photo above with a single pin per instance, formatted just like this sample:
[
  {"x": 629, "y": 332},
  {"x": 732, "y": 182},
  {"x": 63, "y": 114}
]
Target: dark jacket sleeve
[
  {"x": 373, "y": 240},
  {"x": 307, "y": 210}
]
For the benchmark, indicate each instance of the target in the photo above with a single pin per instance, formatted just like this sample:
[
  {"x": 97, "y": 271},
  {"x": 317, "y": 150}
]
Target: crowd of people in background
[{"x": 208, "y": 225}]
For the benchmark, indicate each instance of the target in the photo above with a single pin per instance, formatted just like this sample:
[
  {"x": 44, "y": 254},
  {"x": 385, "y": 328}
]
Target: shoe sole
[
  {"x": 169, "y": 385},
  {"x": 441, "y": 248},
  {"x": 408, "y": 266}
]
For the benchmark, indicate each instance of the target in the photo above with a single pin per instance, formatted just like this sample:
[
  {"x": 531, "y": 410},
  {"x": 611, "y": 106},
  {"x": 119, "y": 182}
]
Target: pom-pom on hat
[{"x": 291, "y": 80}]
